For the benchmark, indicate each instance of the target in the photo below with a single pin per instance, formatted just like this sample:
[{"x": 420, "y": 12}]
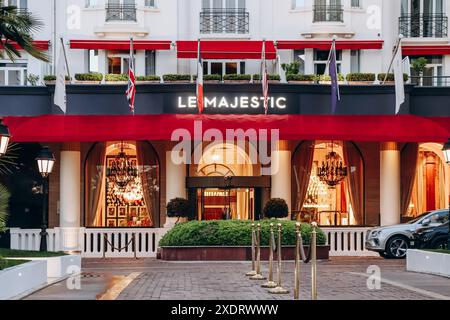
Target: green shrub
[
  {"x": 419, "y": 64},
  {"x": 326, "y": 77},
  {"x": 148, "y": 78},
  {"x": 177, "y": 77},
  {"x": 89, "y": 76},
  {"x": 291, "y": 68},
  {"x": 233, "y": 233},
  {"x": 210, "y": 77},
  {"x": 276, "y": 208},
  {"x": 180, "y": 208},
  {"x": 361, "y": 77},
  {"x": 301, "y": 77},
  {"x": 3, "y": 263},
  {"x": 237, "y": 77},
  {"x": 391, "y": 77},
  {"x": 4, "y": 206},
  {"x": 116, "y": 77},
  {"x": 272, "y": 77},
  {"x": 50, "y": 77}
]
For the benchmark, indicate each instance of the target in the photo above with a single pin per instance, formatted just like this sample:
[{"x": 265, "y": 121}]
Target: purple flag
[{"x": 335, "y": 94}]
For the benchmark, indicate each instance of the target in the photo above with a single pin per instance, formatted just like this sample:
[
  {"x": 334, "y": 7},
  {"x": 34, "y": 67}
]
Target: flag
[
  {"x": 407, "y": 67},
  {"x": 131, "y": 91},
  {"x": 265, "y": 79},
  {"x": 200, "y": 95},
  {"x": 335, "y": 94},
  {"x": 399, "y": 82},
  {"x": 60, "y": 88}
]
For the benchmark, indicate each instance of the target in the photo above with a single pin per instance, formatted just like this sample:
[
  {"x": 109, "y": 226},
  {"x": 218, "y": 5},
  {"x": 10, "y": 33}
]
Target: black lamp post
[
  {"x": 446, "y": 151},
  {"x": 45, "y": 161},
  {"x": 5, "y": 135}
]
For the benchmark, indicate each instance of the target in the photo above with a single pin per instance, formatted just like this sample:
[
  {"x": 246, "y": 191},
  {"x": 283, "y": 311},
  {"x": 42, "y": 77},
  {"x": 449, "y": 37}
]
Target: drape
[
  {"x": 95, "y": 176},
  {"x": 355, "y": 181},
  {"x": 418, "y": 191},
  {"x": 302, "y": 166},
  {"x": 409, "y": 158},
  {"x": 149, "y": 173},
  {"x": 441, "y": 190}
]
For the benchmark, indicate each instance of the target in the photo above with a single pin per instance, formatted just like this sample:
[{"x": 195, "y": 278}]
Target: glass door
[{"x": 13, "y": 75}]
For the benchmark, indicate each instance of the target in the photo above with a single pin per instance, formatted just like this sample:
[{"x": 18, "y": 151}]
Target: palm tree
[
  {"x": 4, "y": 206},
  {"x": 18, "y": 26}
]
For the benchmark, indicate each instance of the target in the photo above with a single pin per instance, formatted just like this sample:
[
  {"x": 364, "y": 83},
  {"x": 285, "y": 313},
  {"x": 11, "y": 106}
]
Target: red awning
[
  {"x": 60, "y": 128},
  {"x": 224, "y": 49},
  {"x": 42, "y": 45},
  {"x": 426, "y": 50},
  {"x": 326, "y": 44},
  {"x": 120, "y": 44}
]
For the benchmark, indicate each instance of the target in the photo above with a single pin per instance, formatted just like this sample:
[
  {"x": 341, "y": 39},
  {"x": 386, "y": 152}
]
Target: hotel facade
[{"x": 115, "y": 172}]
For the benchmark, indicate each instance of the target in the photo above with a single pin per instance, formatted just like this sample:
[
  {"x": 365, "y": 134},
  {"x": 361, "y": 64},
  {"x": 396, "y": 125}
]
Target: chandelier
[{"x": 332, "y": 171}]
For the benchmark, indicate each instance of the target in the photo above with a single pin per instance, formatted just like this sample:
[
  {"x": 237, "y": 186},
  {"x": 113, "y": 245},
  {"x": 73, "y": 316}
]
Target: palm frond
[
  {"x": 9, "y": 160},
  {"x": 4, "y": 206}
]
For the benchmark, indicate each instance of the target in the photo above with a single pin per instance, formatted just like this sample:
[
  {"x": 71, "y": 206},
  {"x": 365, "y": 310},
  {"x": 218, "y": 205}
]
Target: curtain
[
  {"x": 441, "y": 186},
  {"x": 302, "y": 166},
  {"x": 409, "y": 158},
  {"x": 95, "y": 176},
  {"x": 355, "y": 181},
  {"x": 149, "y": 172},
  {"x": 419, "y": 193}
]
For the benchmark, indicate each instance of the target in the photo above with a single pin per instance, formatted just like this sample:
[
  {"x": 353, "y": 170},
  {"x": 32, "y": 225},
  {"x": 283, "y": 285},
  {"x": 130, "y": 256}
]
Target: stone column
[
  {"x": 175, "y": 183},
  {"x": 70, "y": 197},
  {"x": 389, "y": 184},
  {"x": 281, "y": 173}
]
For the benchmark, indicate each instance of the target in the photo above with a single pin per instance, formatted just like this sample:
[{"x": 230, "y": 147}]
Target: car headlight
[{"x": 375, "y": 233}]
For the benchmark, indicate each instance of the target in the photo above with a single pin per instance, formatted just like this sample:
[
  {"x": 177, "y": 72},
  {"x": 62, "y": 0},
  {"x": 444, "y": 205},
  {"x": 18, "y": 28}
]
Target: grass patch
[
  {"x": 439, "y": 251},
  {"x": 7, "y": 253},
  {"x": 13, "y": 263}
]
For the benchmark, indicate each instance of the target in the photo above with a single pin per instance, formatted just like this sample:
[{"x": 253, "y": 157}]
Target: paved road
[{"x": 339, "y": 278}]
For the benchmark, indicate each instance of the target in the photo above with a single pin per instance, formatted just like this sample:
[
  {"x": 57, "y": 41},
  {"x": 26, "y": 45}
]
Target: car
[
  {"x": 393, "y": 241},
  {"x": 432, "y": 237}
]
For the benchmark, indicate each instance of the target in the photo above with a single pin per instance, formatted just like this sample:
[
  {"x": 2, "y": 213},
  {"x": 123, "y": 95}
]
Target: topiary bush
[
  {"x": 179, "y": 208},
  {"x": 233, "y": 233},
  {"x": 177, "y": 77},
  {"x": 301, "y": 77},
  {"x": 327, "y": 77},
  {"x": 116, "y": 77},
  {"x": 237, "y": 77},
  {"x": 95, "y": 76},
  {"x": 50, "y": 77},
  {"x": 148, "y": 78},
  {"x": 391, "y": 77},
  {"x": 370, "y": 77},
  {"x": 276, "y": 208},
  {"x": 272, "y": 77}
]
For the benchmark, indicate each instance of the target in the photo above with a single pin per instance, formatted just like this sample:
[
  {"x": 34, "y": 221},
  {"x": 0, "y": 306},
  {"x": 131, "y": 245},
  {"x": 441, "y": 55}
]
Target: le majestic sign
[{"x": 236, "y": 103}]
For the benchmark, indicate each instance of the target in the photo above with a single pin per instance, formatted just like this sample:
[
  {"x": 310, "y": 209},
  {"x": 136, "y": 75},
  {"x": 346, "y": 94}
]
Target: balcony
[
  {"x": 328, "y": 13},
  {"x": 424, "y": 26},
  {"x": 233, "y": 21},
  {"x": 120, "y": 12}
]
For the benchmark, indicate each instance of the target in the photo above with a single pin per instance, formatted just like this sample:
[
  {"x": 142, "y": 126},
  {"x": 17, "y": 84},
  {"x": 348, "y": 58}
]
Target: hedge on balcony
[
  {"x": 148, "y": 78},
  {"x": 326, "y": 77},
  {"x": 116, "y": 77},
  {"x": 176, "y": 77},
  {"x": 369, "y": 77},
  {"x": 209, "y": 77},
  {"x": 50, "y": 77},
  {"x": 272, "y": 77},
  {"x": 237, "y": 77},
  {"x": 391, "y": 77},
  {"x": 301, "y": 77},
  {"x": 233, "y": 233},
  {"x": 89, "y": 76}
]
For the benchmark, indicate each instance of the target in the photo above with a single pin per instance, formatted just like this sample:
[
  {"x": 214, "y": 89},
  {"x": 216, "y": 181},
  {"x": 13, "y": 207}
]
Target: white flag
[
  {"x": 60, "y": 87},
  {"x": 399, "y": 82}
]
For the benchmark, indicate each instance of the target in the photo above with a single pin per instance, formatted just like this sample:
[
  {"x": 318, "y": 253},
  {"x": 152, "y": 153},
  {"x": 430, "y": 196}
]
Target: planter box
[
  {"x": 428, "y": 262},
  {"x": 116, "y": 82},
  {"x": 58, "y": 267},
  {"x": 22, "y": 279},
  {"x": 87, "y": 82},
  {"x": 178, "y": 81},
  {"x": 236, "y": 81},
  {"x": 231, "y": 253},
  {"x": 301, "y": 82},
  {"x": 148, "y": 82},
  {"x": 361, "y": 83}
]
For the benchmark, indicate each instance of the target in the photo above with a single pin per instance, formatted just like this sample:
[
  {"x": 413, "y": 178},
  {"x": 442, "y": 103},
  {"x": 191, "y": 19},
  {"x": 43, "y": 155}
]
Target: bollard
[
  {"x": 258, "y": 275},
  {"x": 134, "y": 246},
  {"x": 270, "y": 283},
  {"x": 313, "y": 249},
  {"x": 105, "y": 243},
  {"x": 297, "y": 262},
  {"x": 253, "y": 272},
  {"x": 279, "y": 289}
]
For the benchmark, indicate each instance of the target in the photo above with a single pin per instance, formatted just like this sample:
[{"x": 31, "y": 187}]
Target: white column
[
  {"x": 70, "y": 198},
  {"x": 175, "y": 183},
  {"x": 140, "y": 63},
  {"x": 281, "y": 173},
  {"x": 389, "y": 184}
]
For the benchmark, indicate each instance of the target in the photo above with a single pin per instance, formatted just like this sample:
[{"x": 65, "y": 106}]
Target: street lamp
[
  {"x": 5, "y": 135},
  {"x": 45, "y": 161},
  {"x": 446, "y": 151}
]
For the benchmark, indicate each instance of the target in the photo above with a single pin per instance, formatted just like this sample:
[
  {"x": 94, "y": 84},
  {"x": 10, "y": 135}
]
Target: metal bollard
[
  {"x": 279, "y": 289},
  {"x": 297, "y": 262},
  {"x": 313, "y": 249},
  {"x": 270, "y": 283},
  {"x": 253, "y": 272},
  {"x": 258, "y": 275}
]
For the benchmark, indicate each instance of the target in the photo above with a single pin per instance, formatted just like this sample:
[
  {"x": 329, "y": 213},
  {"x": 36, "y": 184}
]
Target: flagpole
[
  {"x": 400, "y": 37},
  {"x": 132, "y": 60},
  {"x": 335, "y": 66},
  {"x": 65, "y": 58}
]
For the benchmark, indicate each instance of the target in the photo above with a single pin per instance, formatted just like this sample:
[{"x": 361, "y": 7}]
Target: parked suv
[
  {"x": 394, "y": 241},
  {"x": 432, "y": 237}
]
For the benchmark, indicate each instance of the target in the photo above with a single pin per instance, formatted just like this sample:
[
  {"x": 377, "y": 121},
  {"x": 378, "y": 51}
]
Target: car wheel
[{"x": 396, "y": 247}]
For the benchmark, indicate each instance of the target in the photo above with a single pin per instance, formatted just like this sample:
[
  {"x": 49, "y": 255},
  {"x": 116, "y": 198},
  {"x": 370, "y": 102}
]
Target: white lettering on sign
[{"x": 234, "y": 103}]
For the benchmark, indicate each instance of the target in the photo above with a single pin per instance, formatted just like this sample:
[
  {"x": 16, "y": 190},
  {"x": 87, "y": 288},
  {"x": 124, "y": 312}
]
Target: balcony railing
[
  {"x": 120, "y": 12},
  {"x": 431, "y": 81},
  {"x": 424, "y": 26},
  {"x": 328, "y": 13},
  {"x": 224, "y": 21}
]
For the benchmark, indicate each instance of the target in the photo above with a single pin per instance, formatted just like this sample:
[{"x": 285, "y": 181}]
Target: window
[
  {"x": 224, "y": 16},
  {"x": 118, "y": 62},
  {"x": 355, "y": 61},
  {"x": 91, "y": 3},
  {"x": 356, "y": 3},
  {"x": 13, "y": 74},
  {"x": 321, "y": 60},
  {"x": 328, "y": 10},
  {"x": 298, "y": 4},
  {"x": 423, "y": 18},
  {"x": 21, "y": 4},
  {"x": 150, "y": 3},
  {"x": 299, "y": 56},
  {"x": 432, "y": 74},
  {"x": 93, "y": 60},
  {"x": 150, "y": 62},
  {"x": 220, "y": 67}
]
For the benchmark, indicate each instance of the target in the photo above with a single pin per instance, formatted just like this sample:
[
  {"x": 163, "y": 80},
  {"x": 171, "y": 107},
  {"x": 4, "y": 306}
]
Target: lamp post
[
  {"x": 45, "y": 161},
  {"x": 446, "y": 151},
  {"x": 5, "y": 135}
]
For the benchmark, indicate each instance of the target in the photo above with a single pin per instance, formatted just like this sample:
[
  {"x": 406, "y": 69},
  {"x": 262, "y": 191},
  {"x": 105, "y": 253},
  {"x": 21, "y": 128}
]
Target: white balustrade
[
  {"x": 348, "y": 242},
  {"x": 30, "y": 239}
]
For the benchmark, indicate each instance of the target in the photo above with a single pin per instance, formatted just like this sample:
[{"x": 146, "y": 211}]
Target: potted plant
[
  {"x": 276, "y": 208},
  {"x": 33, "y": 79},
  {"x": 301, "y": 78},
  {"x": 291, "y": 68},
  {"x": 210, "y": 78},
  {"x": 179, "y": 208},
  {"x": 177, "y": 78},
  {"x": 273, "y": 78},
  {"x": 419, "y": 65},
  {"x": 116, "y": 79},
  {"x": 237, "y": 78},
  {"x": 360, "y": 78},
  {"x": 390, "y": 79},
  {"x": 326, "y": 78},
  {"x": 89, "y": 78},
  {"x": 51, "y": 79},
  {"x": 148, "y": 79}
]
